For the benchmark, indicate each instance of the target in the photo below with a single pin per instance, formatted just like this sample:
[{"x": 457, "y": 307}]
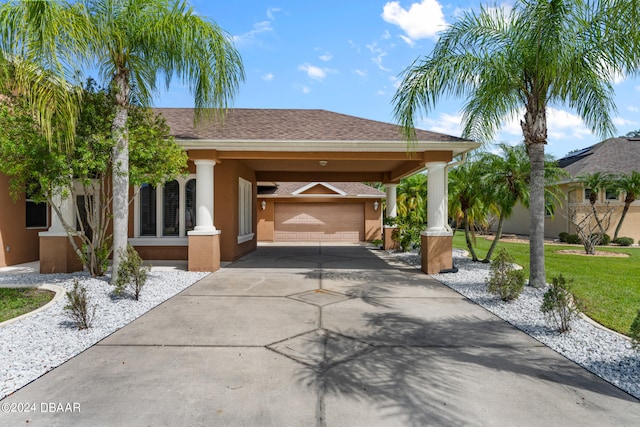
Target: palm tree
[
  {"x": 517, "y": 62},
  {"x": 508, "y": 176},
  {"x": 630, "y": 184},
  {"x": 412, "y": 198},
  {"x": 134, "y": 44},
  {"x": 467, "y": 193},
  {"x": 595, "y": 182}
]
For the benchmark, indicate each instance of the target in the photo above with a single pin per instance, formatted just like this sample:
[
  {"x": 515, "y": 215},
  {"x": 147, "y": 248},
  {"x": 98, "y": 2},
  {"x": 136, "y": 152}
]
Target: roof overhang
[{"x": 319, "y": 160}]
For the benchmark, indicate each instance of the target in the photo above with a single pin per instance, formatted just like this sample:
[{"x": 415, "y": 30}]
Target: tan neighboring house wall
[{"x": 18, "y": 243}]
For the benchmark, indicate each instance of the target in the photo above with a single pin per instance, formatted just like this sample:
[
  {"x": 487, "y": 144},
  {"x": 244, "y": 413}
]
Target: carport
[{"x": 307, "y": 145}]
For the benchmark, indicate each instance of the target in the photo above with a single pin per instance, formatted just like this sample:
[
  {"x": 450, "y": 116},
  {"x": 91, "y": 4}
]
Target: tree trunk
[
  {"x": 467, "y": 237},
  {"x": 595, "y": 215},
  {"x": 497, "y": 237},
  {"x": 537, "y": 276},
  {"x": 624, "y": 214},
  {"x": 120, "y": 175}
]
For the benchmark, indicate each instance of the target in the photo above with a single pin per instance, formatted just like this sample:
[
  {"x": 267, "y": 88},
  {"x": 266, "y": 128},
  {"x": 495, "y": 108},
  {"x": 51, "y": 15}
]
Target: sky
[{"x": 348, "y": 56}]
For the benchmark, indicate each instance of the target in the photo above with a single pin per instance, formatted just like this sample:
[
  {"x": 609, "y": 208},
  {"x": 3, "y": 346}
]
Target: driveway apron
[{"x": 320, "y": 335}]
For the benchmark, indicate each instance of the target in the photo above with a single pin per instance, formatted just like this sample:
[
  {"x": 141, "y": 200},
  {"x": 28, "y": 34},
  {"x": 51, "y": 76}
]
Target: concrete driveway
[{"x": 320, "y": 335}]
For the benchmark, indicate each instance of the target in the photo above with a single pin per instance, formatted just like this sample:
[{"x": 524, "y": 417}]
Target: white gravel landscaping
[
  {"x": 601, "y": 351},
  {"x": 34, "y": 345}
]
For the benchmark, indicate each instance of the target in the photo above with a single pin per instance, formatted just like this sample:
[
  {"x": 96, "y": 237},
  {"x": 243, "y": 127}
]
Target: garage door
[{"x": 310, "y": 222}]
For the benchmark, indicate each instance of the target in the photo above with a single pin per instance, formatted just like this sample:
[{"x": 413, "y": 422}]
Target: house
[
  {"x": 615, "y": 156},
  {"x": 214, "y": 215}
]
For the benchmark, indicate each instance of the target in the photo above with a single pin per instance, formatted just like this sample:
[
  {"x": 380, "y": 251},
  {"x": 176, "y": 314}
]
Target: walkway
[{"x": 320, "y": 335}]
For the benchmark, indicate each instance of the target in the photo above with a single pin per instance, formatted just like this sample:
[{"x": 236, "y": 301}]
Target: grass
[
  {"x": 17, "y": 301},
  {"x": 608, "y": 287}
]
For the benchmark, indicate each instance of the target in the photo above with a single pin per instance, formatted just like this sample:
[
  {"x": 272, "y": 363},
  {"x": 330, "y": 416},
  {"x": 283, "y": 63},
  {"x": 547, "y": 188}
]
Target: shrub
[
  {"x": 563, "y": 236},
  {"x": 623, "y": 241},
  {"x": 504, "y": 279},
  {"x": 131, "y": 274},
  {"x": 77, "y": 307},
  {"x": 558, "y": 304},
  {"x": 605, "y": 239},
  {"x": 573, "y": 239},
  {"x": 634, "y": 332}
]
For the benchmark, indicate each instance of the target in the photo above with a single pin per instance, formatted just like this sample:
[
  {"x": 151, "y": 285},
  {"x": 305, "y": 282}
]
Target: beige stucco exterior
[{"x": 518, "y": 223}]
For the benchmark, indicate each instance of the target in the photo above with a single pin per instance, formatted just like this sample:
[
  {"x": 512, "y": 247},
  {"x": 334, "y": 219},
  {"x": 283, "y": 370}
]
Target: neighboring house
[
  {"x": 615, "y": 156},
  {"x": 319, "y": 211},
  {"x": 211, "y": 215}
]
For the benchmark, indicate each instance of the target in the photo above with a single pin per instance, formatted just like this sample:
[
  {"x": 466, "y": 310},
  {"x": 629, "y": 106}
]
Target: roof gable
[
  {"x": 321, "y": 188},
  {"x": 326, "y": 189}
]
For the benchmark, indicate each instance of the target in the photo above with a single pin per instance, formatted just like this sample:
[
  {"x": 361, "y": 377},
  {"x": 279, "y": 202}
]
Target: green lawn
[
  {"x": 17, "y": 301},
  {"x": 609, "y": 287}
]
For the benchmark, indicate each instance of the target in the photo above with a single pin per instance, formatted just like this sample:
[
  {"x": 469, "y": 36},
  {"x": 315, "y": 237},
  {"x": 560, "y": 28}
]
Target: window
[
  {"x": 587, "y": 194},
  {"x": 147, "y": 208},
  {"x": 612, "y": 194},
  {"x": 245, "y": 210},
  {"x": 167, "y": 211},
  {"x": 36, "y": 213},
  {"x": 170, "y": 209}
]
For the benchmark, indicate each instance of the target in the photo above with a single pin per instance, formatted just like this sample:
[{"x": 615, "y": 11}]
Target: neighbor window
[
  {"x": 245, "y": 210},
  {"x": 587, "y": 194},
  {"x": 612, "y": 195}
]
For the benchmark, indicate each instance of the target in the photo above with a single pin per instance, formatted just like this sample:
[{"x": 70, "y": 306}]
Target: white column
[
  {"x": 392, "y": 210},
  {"x": 436, "y": 198},
  {"x": 65, "y": 204},
  {"x": 204, "y": 197}
]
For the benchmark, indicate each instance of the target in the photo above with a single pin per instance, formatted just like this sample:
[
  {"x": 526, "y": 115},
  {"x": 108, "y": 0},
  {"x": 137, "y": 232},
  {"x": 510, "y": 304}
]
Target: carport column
[
  {"x": 56, "y": 252},
  {"x": 437, "y": 240},
  {"x": 204, "y": 239},
  {"x": 392, "y": 212}
]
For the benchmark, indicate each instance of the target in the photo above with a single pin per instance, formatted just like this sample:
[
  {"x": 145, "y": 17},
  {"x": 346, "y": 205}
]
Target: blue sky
[{"x": 346, "y": 56}]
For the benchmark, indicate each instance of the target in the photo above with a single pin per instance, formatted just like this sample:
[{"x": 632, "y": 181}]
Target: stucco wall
[{"x": 17, "y": 243}]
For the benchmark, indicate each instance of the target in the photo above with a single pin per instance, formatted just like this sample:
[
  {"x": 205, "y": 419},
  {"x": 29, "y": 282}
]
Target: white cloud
[
  {"x": 407, "y": 40},
  {"x": 268, "y": 77},
  {"x": 633, "y": 109},
  {"x": 302, "y": 88},
  {"x": 326, "y": 57},
  {"x": 422, "y": 20},
  {"x": 250, "y": 36},
  {"x": 271, "y": 11},
  {"x": 316, "y": 73},
  {"x": 619, "y": 121},
  {"x": 361, "y": 73},
  {"x": 561, "y": 125},
  {"x": 386, "y": 35},
  {"x": 448, "y": 124},
  {"x": 379, "y": 54}
]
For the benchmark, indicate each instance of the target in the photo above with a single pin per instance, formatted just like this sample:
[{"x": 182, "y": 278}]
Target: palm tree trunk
[
  {"x": 497, "y": 237},
  {"x": 537, "y": 276},
  {"x": 468, "y": 237},
  {"x": 120, "y": 174},
  {"x": 624, "y": 214},
  {"x": 595, "y": 215}
]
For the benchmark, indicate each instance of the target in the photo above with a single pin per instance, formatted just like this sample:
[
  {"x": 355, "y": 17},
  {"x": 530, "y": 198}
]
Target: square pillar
[
  {"x": 204, "y": 251},
  {"x": 436, "y": 252},
  {"x": 388, "y": 243},
  {"x": 57, "y": 254}
]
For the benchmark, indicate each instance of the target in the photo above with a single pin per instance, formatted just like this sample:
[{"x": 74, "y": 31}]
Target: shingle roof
[
  {"x": 615, "y": 155},
  {"x": 288, "y": 125},
  {"x": 351, "y": 188}
]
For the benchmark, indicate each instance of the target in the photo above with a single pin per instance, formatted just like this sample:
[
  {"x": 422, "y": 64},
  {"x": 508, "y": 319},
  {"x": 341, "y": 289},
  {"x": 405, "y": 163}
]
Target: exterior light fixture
[
  {"x": 376, "y": 205},
  {"x": 323, "y": 162},
  {"x": 264, "y": 204}
]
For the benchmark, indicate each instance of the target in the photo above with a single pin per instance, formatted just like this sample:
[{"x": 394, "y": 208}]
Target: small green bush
[
  {"x": 634, "y": 332},
  {"x": 623, "y": 241},
  {"x": 604, "y": 240},
  {"x": 558, "y": 305},
  {"x": 77, "y": 307},
  {"x": 563, "y": 236},
  {"x": 504, "y": 279},
  {"x": 573, "y": 239},
  {"x": 131, "y": 274}
]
